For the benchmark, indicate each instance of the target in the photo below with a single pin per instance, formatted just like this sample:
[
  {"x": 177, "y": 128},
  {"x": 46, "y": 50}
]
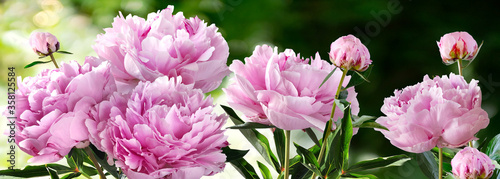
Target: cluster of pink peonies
[
  {"x": 161, "y": 129},
  {"x": 282, "y": 89},
  {"x": 444, "y": 112},
  {"x": 164, "y": 44},
  {"x": 51, "y": 108}
]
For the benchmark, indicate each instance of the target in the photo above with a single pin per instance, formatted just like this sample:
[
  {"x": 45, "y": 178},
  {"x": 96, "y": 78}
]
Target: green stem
[
  {"x": 53, "y": 60},
  {"x": 460, "y": 67},
  {"x": 96, "y": 164},
  {"x": 440, "y": 163},
  {"x": 287, "y": 152},
  {"x": 323, "y": 146}
]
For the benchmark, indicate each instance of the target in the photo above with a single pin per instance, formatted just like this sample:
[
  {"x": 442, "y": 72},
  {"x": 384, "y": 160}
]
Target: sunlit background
[{"x": 400, "y": 34}]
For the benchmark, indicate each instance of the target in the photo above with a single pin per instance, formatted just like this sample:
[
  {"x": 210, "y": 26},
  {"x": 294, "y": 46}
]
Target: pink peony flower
[
  {"x": 457, "y": 45},
  {"x": 43, "y": 43},
  {"x": 470, "y": 163},
  {"x": 283, "y": 89},
  {"x": 347, "y": 52},
  {"x": 162, "y": 129},
  {"x": 51, "y": 108},
  {"x": 164, "y": 45},
  {"x": 443, "y": 112}
]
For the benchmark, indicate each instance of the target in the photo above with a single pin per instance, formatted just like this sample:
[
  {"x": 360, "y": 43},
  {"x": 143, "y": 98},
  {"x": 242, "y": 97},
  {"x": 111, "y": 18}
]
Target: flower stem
[
  {"x": 53, "y": 60},
  {"x": 323, "y": 146},
  {"x": 460, "y": 67},
  {"x": 440, "y": 163},
  {"x": 287, "y": 152},
  {"x": 94, "y": 160}
]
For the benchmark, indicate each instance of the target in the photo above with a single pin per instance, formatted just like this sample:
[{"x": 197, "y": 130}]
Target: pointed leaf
[
  {"x": 338, "y": 157},
  {"x": 259, "y": 141},
  {"x": 364, "y": 176},
  {"x": 266, "y": 174},
  {"x": 52, "y": 172},
  {"x": 35, "y": 63},
  {"x": 311, "y": 135},
  {"x": 360, "y": 120},
  {"x": 307, "y": 156},
  {"x": 244, "y": 168},
  {"x": 41, "y": 57},
  {"x": 377, "y": 163},
  {"x": 428, "y": 164},
  {"x": 327, "y": 77},
  {"x": 35, "y": 171},
  {"x": 101, "y": 159},
  {"x": 279, "y": 141},
  {"x": 470, "y": 61},
  {"x": 372, "y": 124},
  {"x": 64, "y": 52},
  {"x": 250, "y": 125},
  {"x": 493, "y": 148},
  {"x": 233, "y": 154},
  {"x": 359, "y": 78},
  {"x": 71, "y": 175}
]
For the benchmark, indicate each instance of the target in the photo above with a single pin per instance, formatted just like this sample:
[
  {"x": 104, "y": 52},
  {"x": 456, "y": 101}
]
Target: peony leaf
[
  {"x": 470, "y": 61},
  {"x": 255, "y": 138},
  {"x": 311, "y": 135},
  {"x": 266, "y": 174},
  {"x": 297, "y": 170},
  {"x": 101, "y": 159},
  {"x": 308, "y": 159},
  {"x": 52, "y": 172},
  {"x": 36, "y": 63},
  {"x": 448, "y": 153},
  {"x": 244, "y": 168},
  {"x": 233, "y": 154},
  {"x": 279, "y": 141},
  {"x": 372, "y": 124},
  {"x": 71, "y": 175},
  {"x": 35, "y": 171},
  {"x": 430, "y": 164},
  {"x": 364, "y": 176},
  {"x": 338, "y": 152},
  {"x": 327, "y": 77},
  {"x": 250, "y": 125},
  {"x": 64, "y": 52},
  {"x": 359, "y": 77},
  {"x": 360, "y": 120},
  {"x": 493, "y": 148},
  {"x": 377, "y": 163}
]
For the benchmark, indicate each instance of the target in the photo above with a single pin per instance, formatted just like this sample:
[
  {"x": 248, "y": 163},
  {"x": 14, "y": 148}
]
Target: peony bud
[
  {"x": 457, "y": 45},
  {"x": 469, "y": 163},
  {"x": 44, "y": 43},
  {"x": 349, "y": 53}
]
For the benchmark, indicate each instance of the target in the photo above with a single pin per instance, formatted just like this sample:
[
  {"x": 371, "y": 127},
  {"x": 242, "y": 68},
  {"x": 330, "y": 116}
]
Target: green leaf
[
  {"x": 447, "y": 167},
  {"x": 244, "y": 168},
  {"x": 279, "y": 141},
  {"x": 255, "y": 138},
  {"x": 266, "y": 174},
  {"x": 233, "y": 154},
  {"x": 470, "y": 61},
  {"x": 493, "y": 148},
  {"x": 64, "y": 52},
  {"x": 360, "y": 120},
  {"x": 308, "y": 159},
  {"x": 104, "y": 163},
  {"x": 52, "y": 172},
  {"x": 372, "y": 124},
  {"x": 71, "y": 175},
  {"x": 313, "y": 137},
  {"x": 88, "y": 171},
  {"x": 41, "y": 57},
  {"x": 327, "y": 77},
  {"x": 365, "y": 176},
  {"x": 359, "y": 78},
  {"x": 428, "y": 164},
  {"x": 250, "y": 125},
  {"x": 446, "y": 153},
  {"x": 338, "y": 154},
  {"x": 35, "y": 171},
  {"x": 377, "y": 163},
  {"x": 35, "y": 63}
]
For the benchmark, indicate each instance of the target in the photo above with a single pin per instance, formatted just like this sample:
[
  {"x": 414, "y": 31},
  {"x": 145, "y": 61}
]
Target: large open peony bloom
[
  {"x": 162, "y": 129},
  {"x": 51, "y": 108},
  {"x": 164, "y": 45},
  {"x": 470, "y": 163},
  {"x": 282, "y": 89},
  {"x": 444, "y": 112}
]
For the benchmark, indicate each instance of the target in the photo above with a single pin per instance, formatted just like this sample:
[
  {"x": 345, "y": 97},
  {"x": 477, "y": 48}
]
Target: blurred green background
[{"x": 401, "y": 36}]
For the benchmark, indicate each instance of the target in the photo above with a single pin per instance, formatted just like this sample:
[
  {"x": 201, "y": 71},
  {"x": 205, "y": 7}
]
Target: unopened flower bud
[
  {"x": 470, "y": 163},
  {"x": 347, "y": 52},
  {"x": 44, "y": 43},
  {"x": 457, "y": 45}
]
